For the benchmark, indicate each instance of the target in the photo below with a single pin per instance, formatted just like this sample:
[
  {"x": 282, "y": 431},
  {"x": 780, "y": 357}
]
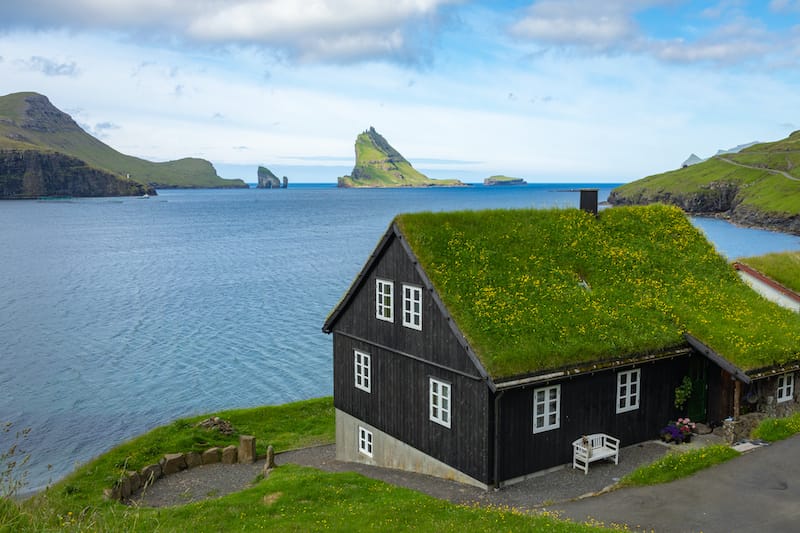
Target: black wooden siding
[
  {"x": 403, "y": 359},
  {"x": 588, "y": 405},
  {"x": 436, "y": 342},
  {"x": 720, "y": 399},
  {"x": 397, "y": 404}
]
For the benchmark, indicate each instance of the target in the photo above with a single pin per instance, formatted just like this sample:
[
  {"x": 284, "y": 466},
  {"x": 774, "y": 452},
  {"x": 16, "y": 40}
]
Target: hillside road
[
  {"x": 770, "y": 170},
  {"x": 758, "y": 491}
]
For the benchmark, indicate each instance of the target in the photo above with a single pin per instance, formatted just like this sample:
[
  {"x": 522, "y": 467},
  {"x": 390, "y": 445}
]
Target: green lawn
[
  {"x": 678, "y": 464},
  {"x": 292, "y": 498}
]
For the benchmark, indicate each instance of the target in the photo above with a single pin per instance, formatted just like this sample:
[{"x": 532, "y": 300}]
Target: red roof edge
[{"x": 767, "y": 281}]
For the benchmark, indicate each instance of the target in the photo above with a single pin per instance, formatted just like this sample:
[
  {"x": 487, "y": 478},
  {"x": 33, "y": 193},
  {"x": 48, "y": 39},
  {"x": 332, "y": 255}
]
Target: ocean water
[{"x": 119, "y": 315}]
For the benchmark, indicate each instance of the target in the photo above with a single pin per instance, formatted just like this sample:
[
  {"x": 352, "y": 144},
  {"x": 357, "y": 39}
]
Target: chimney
[{"x": 589, "y": 200}]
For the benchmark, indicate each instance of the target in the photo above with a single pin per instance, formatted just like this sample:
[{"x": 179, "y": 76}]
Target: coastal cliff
[
  {"x": 33, "y": 174},
  {"x": 43, "y": 152},
  {"x": 378, "y": 164},
  {"x": 758, "y": 186}
]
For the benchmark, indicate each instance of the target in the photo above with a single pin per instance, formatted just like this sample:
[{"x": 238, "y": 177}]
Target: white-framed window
[
  {"x": 546, "y": 408},
  {"x": 412, "y": 306},
  {"x": 384, "y": 298},
  {"x": 628, "y": 390},
  {"x": 785, "y": 390},
  {"x": 362, "y": 363},
  {"x": 440, "y": 402},
  {"x": 365, "y": 441}
]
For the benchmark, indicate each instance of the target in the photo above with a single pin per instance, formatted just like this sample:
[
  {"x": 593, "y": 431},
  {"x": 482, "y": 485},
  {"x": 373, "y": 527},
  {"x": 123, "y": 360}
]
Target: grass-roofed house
[{"x": 479, "y": 345}]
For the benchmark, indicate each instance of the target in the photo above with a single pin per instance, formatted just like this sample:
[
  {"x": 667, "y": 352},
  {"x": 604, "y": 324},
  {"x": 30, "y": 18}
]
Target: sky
[{"x": 547, "y": 90}]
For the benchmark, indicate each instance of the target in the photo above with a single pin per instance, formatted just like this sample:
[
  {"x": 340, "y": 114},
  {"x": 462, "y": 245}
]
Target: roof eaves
[
  {"x": 768, "y": 372},
  {"x": 718, "y": 359},
  {"x": 590, "y": 367}
]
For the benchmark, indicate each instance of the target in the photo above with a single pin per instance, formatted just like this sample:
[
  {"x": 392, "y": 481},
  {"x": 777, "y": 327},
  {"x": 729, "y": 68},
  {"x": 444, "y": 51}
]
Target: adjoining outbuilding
[{"x": 479, "y": 345}]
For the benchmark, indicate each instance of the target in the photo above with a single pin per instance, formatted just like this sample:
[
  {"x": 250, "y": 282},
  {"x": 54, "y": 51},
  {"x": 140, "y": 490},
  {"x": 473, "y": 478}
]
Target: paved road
[
  {"x": 770, "y": 170},
  {"x": 758, "y": 492}
]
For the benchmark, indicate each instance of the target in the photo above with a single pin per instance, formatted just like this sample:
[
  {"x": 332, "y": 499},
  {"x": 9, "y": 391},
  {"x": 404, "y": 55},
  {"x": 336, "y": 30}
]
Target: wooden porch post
[{"x": 737, "y": 396}]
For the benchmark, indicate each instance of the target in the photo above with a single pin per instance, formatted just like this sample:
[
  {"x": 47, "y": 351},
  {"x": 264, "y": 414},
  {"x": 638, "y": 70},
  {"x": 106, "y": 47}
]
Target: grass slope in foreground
[
  {"x": 292, "y": 498},
  {"x": 747, "y": 186},
  {"x": 28, "y": 121},
  {"x": 380, "y": 165}
]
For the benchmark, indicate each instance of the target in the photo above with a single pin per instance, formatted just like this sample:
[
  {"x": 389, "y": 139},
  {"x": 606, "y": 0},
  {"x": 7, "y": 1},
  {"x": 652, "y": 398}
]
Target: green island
[
  {"x": 380, "y": 165},
  {"x": 504, "y": 180},
  {"x": 783, "y": 267},
  {"x": 44, "y": 152},
  {"x": 291, "y": 498},
  {"x": 758, "y": 186}
]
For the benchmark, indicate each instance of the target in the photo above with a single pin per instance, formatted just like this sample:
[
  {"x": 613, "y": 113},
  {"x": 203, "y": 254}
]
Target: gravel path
[{"x": 563, "y": 484}]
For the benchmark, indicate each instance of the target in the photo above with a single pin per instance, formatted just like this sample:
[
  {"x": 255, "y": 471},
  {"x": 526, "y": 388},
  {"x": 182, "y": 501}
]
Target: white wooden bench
[{"x": 594, "y": 447}]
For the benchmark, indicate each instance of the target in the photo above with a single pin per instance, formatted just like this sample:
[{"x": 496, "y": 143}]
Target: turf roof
[{"x": 534, "y": 290}]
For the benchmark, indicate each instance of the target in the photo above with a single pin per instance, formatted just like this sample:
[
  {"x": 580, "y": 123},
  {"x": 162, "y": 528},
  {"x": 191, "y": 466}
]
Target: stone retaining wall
[
  {"x": 130, "y": 482},
  {"x": 741, "y": 428}
]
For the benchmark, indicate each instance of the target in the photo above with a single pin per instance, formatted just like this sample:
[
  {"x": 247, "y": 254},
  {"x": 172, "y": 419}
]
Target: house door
[{"x": 697, "y": 405}]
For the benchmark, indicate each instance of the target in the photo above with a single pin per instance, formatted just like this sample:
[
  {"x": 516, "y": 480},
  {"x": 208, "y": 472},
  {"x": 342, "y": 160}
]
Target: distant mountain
[
  {"x": 694, "y": 159},
  {"x": 43, "y": 152},
  {"x": 691, "y": 160},
  {"x": 754, "y": 185},
  {"x": 380, "y": 165},
  {"x": 736, "y": 149}
]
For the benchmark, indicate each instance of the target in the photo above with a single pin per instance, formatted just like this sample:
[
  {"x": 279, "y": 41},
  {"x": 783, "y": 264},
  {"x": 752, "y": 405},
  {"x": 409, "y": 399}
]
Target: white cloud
[
  {"x": 723, "y": 8},
  {"x": 611, "y": 27},
  {"x": 342, "y": 30},
  {"x": 50, "y": 67},
  {"x": 596, "y": 26},
  {"x": 785, "y": 6}
]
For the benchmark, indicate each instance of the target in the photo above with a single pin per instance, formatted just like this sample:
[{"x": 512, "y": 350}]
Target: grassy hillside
[
  {"x": 758, "y": 186},
  {"x": 29, "y": 122},
  {"x": 291, "y": 498},
  {"x": 380, "y": 165}
]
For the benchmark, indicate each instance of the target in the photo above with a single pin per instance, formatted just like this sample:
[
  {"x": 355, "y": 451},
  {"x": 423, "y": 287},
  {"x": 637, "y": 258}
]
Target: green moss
[{"x": 539, "y": 289}]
